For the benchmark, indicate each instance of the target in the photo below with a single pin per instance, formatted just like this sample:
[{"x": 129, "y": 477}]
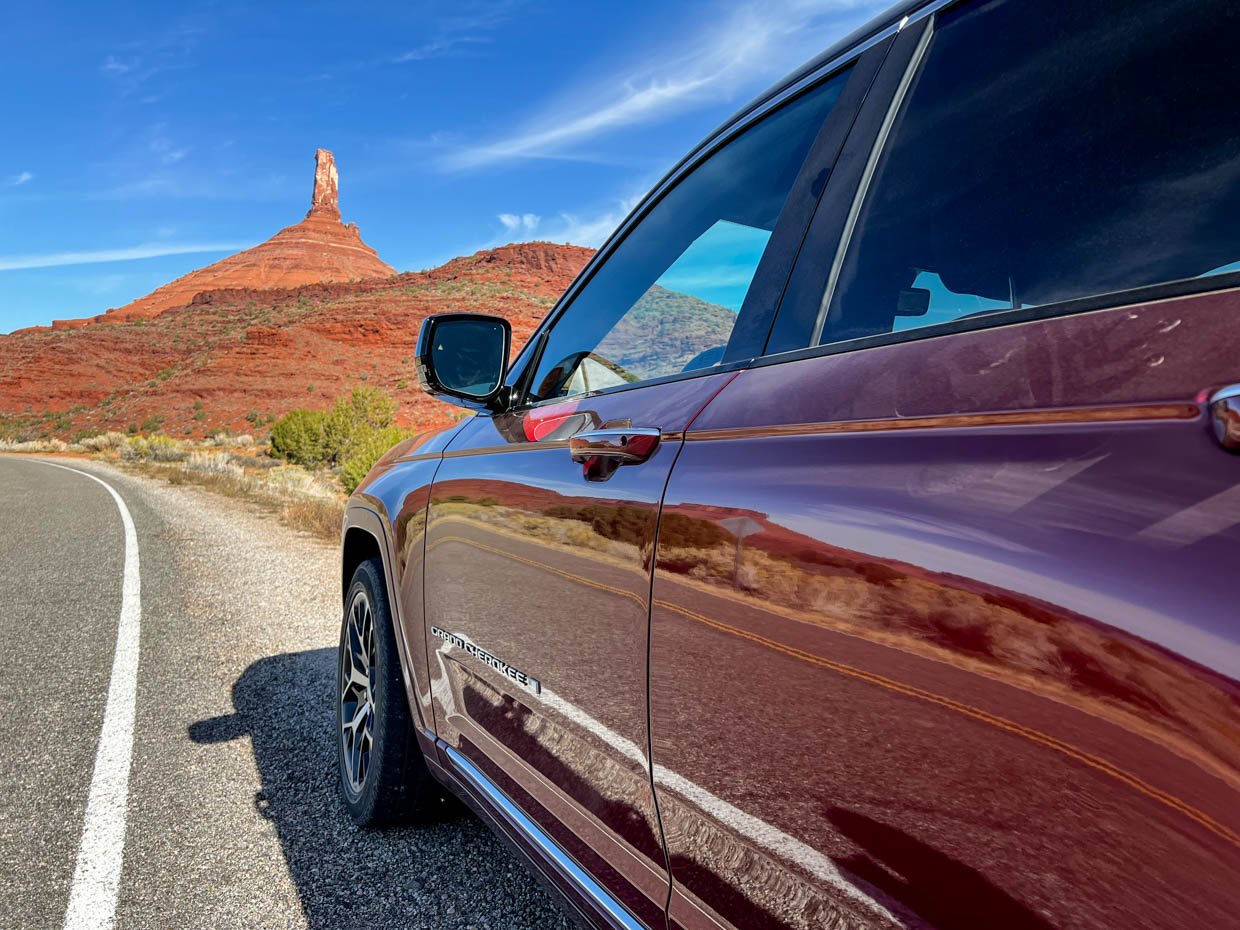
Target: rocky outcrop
[
  {"x": 325, "y": 201},
  {"x": 319, "y": 248},
  {"x": 233, "y": 358}
]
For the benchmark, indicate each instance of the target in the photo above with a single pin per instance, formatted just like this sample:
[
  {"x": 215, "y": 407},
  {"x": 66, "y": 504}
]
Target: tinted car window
[
  {"x": 1048, "y": 151},
  {"x": 668, "y": 297}
]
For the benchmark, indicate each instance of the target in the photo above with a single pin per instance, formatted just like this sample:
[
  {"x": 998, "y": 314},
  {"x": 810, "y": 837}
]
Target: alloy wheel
[{"x": 357, "y": 691}]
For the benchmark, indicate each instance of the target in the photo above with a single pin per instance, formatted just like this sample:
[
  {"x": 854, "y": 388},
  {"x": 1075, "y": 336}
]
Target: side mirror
[{"x": 462, "y": 357}]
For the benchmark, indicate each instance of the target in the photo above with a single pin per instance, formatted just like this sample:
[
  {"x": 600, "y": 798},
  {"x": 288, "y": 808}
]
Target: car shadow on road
[{"x": 449, "y": 874}]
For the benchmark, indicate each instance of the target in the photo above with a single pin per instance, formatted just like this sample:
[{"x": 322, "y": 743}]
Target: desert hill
[
  {"x": 234, "y": 358},
  {"x": 321, "y": 248},
  {"x": 296, "y": 322},
  {"x": 665, "y": 330}
]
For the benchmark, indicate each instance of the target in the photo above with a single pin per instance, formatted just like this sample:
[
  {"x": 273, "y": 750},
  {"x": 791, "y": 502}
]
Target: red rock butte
[{"x": 321, "y": 248}]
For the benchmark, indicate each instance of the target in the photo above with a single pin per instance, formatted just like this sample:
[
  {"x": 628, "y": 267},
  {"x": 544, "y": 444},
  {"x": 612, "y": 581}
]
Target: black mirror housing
[{"x": 462, "y": 358}]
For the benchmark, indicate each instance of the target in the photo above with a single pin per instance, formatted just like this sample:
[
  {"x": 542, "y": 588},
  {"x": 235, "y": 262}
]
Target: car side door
[
  {"x": 542, "y": 517},
  {"x": 941, "y": 634}
]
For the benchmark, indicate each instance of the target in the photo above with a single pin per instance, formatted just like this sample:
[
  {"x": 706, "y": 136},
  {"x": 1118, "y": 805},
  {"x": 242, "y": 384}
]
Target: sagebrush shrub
[
  {"x": 367, "y": 450},
  {"x": 157, "y": 448},
  {"x": 300, "y": 437},
  {"x": 352, "y": 435}
]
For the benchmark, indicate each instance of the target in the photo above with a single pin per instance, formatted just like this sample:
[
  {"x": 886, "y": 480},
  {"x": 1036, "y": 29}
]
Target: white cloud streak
[
  {"x": 24, "y": 177},
  {"x": 521, "y": 224},
  {"x": 755, "y": 42},
  {"x": 436, "y": 48},
  {"x": 133, "y": 253},
  {"x": 571, "y": 228}
]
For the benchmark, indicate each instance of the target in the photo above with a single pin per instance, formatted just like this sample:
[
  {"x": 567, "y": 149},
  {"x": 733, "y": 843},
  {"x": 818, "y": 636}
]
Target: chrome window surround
[
  {"x": 867, "y": 176},
  {"x": 521, "y": 366}
]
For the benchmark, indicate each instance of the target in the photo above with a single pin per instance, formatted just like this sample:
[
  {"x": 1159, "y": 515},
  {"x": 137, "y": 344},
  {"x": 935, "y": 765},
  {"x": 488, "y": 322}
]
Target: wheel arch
[
  {"x": 358, "y": 545},
  {"x": 367, "y": 534}
]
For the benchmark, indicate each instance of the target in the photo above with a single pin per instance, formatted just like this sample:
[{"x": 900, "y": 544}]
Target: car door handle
[
  {"x": 614, "y": 445},
  {"x": 1225, "y": 417}
]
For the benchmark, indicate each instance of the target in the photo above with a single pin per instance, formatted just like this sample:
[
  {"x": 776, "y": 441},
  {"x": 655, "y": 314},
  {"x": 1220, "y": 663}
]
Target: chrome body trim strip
[{"x": 567, "y": 867}]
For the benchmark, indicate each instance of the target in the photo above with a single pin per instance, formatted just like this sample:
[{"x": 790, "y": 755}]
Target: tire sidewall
[{"x": 391, "y": 724}]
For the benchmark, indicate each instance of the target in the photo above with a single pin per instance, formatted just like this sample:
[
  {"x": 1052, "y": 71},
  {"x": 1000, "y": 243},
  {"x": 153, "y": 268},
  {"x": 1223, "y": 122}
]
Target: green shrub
[
  {"x": 367, "y": 450},
  {"x": 354, "y": 418},
  {"x": 300, "y": 437},
  {"x": 353, "y": 434}
]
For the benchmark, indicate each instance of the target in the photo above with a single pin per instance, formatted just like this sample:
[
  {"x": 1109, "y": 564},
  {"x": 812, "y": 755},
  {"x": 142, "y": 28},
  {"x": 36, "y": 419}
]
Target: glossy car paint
[
  {"x": 973, "y": 662},
  {"x": 388, "y": 512},
  {"x": 942, "y": 633},
  {"x": 550, "y": 573}
]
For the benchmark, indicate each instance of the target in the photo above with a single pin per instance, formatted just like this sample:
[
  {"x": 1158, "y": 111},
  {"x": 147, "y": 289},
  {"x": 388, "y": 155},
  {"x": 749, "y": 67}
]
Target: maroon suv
[{"x": 856, "y": 542}]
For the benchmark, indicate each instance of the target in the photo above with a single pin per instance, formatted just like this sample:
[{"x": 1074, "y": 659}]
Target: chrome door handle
[
  {"x": 622, "y": 446},
  {"x": 1225, "y": 416}
]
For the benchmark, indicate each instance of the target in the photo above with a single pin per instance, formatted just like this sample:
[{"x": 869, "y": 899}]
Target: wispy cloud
[
  {"x": 137, "y": 62},
  {"x": 23, "y": 177},
  {"x": 520, "y": 224},
  {"x": 469, "y": 26},
  {"x": 753, "y": 42},
  {"x": 578, "y": 229},
  {"x": 133, "y": 253},
  {"x": 163, "y": 147},
  {"x": 113, "y": 65},
  {"x": 436, "y": 48}
]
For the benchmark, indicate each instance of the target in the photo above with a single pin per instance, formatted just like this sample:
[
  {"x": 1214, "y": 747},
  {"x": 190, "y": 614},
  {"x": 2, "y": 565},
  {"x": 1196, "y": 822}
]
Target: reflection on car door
[
  {"x": 550, "y": 574},
  {"x": 944, "y": 622},
  {"x": 538, "y": 556},
  {"x": 972, "y": 673}
]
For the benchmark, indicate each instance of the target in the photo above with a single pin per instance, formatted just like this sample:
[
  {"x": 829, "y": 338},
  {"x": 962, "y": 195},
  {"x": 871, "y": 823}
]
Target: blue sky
[{"x": 145, "y": 140}]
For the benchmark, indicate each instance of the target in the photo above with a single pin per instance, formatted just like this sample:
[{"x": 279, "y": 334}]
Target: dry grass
[
  {"x": 232, "y": 466},
  {"x": 318, "y": 513},
  {"x": 236, "y": 467}
]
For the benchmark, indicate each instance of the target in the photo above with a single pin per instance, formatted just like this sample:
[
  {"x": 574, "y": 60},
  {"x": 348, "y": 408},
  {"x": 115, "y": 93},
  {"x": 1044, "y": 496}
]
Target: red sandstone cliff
[
  {"x": 294, "y": 322},
  {"x": 319, "y": 248},
  {"x": 233, "y": 358}
]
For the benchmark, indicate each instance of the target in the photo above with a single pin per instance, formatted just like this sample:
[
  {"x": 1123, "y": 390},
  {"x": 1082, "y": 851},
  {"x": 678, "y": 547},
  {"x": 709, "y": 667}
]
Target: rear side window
[
  {"x": 1047, "y": 151},
  {"x": 667, "y": 298}
]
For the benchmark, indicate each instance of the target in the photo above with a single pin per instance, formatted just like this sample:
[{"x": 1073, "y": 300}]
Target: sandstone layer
[
  {"x": 234, "y": 358},
  {"x": 321, "y": 248}
]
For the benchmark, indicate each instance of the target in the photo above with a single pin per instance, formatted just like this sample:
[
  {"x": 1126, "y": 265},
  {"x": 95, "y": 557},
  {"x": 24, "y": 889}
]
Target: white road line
[{"x": 97, "y": 876}]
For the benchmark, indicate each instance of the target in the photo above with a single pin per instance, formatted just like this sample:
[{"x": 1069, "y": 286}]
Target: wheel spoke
[
  {"x": 357, "y": 709},
  {"x": 359, "y": 716}
]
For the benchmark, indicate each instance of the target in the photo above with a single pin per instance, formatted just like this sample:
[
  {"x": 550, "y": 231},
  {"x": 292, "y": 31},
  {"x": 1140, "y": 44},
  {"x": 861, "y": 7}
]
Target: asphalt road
[{"x": 232, "y": 818}]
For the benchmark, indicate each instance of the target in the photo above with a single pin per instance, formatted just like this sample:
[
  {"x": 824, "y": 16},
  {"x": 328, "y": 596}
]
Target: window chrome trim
[
  {"x": 791, "y": 86},
  {"x": 867, "y": 176},
  {"x": 1097, "y": 303},
  {"x": 566, "y": 866}
]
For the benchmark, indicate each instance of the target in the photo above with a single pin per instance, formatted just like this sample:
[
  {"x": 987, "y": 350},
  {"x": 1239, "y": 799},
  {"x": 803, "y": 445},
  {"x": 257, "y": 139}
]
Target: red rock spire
[{"x": 325, "y": 201}]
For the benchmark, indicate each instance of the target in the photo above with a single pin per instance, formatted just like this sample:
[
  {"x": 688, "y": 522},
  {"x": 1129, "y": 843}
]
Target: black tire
[{"x": 394, "y": 785}]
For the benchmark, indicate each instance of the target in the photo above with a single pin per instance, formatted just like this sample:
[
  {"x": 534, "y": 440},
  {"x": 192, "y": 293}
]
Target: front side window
[
  {"x": 667, "y": 298},
  {"x": 1048, "y": 151}
]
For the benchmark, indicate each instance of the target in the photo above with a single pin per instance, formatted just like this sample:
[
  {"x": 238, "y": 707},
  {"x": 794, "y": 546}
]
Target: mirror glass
[{"x": 468, "y": 355}]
